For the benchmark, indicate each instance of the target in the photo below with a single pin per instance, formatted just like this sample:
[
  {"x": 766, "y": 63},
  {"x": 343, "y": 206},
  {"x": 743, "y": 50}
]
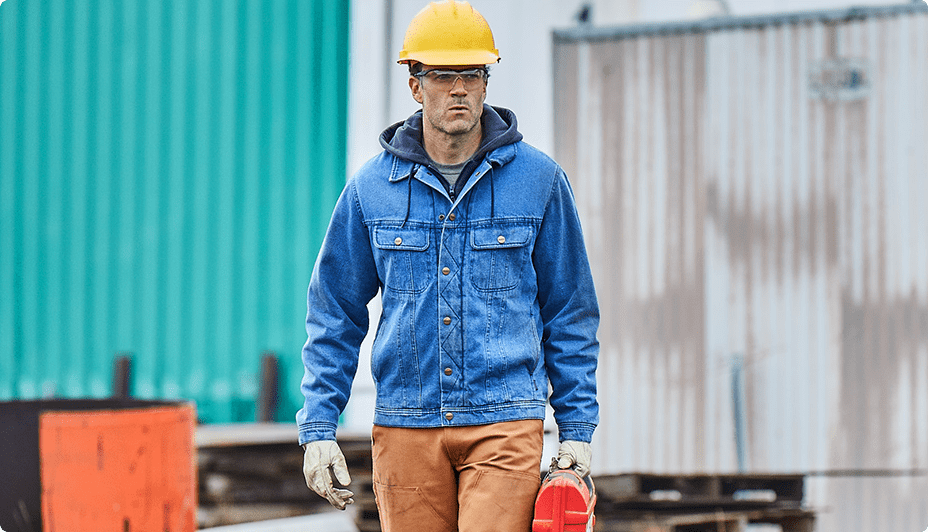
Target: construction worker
[{"x": 473, "y": 239}]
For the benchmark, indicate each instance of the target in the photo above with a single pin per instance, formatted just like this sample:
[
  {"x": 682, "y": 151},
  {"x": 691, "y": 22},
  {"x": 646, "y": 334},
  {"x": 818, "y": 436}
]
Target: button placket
[{"x": 451, "y": 242}]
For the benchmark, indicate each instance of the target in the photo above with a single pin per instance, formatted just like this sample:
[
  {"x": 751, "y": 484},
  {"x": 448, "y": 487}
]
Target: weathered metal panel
[
  {"x": 166, "y": 175},
  {"x": 746, "y": 225},
  {"x": 644, "y": 244}
]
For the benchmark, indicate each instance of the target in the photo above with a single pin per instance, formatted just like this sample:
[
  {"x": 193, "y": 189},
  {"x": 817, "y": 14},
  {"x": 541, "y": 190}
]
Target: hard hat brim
[{"x": 451, "y": 57}]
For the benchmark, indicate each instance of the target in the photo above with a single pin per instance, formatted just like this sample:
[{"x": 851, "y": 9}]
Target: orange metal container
[{"x": 118, "y": 470}]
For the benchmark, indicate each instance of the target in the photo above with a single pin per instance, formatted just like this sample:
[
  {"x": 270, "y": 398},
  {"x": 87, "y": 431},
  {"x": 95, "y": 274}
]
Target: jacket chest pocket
[
  {"x": 403, "y": 256},
  {"x": 498, "y": 255}
]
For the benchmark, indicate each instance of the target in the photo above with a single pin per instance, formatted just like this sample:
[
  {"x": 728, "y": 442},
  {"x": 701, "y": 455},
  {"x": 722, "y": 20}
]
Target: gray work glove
[
  {"x": 318, "y": 457},
  {"x": 576, "y": 454}
]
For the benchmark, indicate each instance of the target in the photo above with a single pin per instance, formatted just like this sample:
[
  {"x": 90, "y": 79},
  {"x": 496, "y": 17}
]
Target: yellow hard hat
[{"x": 449, "y": 33}]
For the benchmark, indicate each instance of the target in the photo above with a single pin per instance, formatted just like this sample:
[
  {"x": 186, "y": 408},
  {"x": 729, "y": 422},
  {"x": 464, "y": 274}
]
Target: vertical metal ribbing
[
  {"x": 169, "y": 180},
  {"x": 810, "y": 249}
]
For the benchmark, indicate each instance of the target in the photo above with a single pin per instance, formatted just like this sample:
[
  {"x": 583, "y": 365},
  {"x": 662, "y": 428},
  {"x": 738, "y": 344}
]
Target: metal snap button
[
  {"x": 449, "y": 416},
  {"x": 448, "y": 371},
  {"x": 447, "y": 320},
  {"x": 451, "y": 217},
  {"x": 446, "y": 270},
  {"x": 501, "y": 239},
  {"x": 398, "y": 241}
]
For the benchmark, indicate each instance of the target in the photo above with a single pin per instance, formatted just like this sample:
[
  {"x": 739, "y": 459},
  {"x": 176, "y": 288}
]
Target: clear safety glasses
[{"x": 445, "y": 79}]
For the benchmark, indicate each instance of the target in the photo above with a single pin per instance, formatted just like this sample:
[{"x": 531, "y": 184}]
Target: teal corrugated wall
[{"x": 167, "y": 171}]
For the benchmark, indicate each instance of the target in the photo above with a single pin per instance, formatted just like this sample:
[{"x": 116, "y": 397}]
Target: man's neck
[{"x": 450, "y": 149}]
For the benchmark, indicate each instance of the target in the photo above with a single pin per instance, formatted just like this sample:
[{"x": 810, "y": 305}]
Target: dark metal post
[
  {"x": 267, "y": 393},
  {"x": 122, "y": 376}
]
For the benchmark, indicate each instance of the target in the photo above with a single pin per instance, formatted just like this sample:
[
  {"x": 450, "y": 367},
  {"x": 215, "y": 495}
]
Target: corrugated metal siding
[
  {"x": 643, "y": 244},
  {"x": 167, "y": 171},
  {"x": 735, "y": 218}
]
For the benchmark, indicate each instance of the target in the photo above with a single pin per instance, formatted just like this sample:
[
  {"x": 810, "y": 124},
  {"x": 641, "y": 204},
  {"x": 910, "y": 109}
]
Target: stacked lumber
[
  {"x": 254, "y": 472},
  {"x": 246, "y": 483}
]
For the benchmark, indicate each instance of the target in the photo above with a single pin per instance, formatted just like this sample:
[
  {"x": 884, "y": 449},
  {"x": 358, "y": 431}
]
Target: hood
[{"x": 404, "y": 139}]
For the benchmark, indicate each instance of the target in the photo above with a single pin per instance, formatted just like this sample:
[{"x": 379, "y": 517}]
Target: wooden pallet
[
  {"x": 645, "y": 502},
  {"x": 645, "y": 490},
  {"x": 789, "y": 520}
]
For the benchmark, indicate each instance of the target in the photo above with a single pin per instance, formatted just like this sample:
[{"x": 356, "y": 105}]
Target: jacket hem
[{"x": 460, "y": 416}]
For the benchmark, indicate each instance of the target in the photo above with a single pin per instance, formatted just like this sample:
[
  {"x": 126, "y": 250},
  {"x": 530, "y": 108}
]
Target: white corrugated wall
[{"x": 737, "y": 219}]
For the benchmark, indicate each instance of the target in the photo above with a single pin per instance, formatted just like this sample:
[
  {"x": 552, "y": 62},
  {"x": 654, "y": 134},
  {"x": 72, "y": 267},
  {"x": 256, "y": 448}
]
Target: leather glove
[
  {"x": 575, "y": 454},
  {"x": 318, "y": 457}
]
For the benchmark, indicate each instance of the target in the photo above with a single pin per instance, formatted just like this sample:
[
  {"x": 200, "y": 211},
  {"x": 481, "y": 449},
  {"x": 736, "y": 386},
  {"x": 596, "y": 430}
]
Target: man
[{"x": 473, "y": 239}]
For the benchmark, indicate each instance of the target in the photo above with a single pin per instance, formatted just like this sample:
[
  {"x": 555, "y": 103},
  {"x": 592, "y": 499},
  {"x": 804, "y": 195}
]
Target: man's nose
[{"x": 458, "y": 88}]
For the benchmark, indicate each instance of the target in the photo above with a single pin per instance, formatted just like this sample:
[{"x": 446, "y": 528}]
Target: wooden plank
[{"x": 235, "y": 434}]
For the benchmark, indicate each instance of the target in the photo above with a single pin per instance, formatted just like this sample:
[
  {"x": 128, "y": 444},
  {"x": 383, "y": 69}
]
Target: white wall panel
[{"x": 812, "y": 250}]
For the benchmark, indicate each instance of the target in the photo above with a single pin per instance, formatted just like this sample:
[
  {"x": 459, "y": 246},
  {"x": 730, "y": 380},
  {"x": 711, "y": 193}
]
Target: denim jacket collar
[{"x": 404, "y": 169}]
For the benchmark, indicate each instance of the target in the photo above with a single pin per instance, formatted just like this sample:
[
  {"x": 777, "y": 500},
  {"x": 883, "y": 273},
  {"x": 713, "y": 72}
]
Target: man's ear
[{"x": 416, "y": 88}]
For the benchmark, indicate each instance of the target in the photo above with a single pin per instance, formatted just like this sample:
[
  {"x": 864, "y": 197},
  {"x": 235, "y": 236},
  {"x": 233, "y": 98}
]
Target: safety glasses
[{"x": 445, "y": 79}]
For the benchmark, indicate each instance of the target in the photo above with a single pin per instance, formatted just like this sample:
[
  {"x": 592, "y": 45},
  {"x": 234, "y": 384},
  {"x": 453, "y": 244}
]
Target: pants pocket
[
  {"x": 405, "y": 508},
  {"x": 493, "y": 500}
]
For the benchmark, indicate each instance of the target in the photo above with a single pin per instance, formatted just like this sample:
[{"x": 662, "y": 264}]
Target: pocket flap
[
  {"x": 409, "y": 239},
  {"x": 499, "y": 237}
]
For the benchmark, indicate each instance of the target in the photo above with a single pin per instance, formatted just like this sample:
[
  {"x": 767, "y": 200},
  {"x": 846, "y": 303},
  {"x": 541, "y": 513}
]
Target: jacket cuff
[
  {"x": 582, "y": 432},
  {"x": 316, "y": 431}
]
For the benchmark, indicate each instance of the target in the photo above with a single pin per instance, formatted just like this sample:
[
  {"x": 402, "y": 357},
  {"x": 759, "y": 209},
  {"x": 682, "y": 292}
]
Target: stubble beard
[{"x": 456, "y": 126}]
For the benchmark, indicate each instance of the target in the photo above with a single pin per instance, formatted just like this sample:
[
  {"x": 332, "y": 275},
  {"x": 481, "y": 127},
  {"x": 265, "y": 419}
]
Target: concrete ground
[{"x": 333, "y": 521}]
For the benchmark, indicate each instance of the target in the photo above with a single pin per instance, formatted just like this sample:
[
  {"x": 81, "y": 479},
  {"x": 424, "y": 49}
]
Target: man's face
[{"x": 452, "y": 110}]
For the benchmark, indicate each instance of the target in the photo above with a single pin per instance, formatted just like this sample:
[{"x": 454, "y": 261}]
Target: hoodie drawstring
[
  {"x": 408, "y": 200},
  {"x": 492, "y": 196}
]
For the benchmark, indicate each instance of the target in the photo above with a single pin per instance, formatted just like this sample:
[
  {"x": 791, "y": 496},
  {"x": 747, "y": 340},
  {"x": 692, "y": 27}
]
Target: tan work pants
[{"x": 473, "y": 479}]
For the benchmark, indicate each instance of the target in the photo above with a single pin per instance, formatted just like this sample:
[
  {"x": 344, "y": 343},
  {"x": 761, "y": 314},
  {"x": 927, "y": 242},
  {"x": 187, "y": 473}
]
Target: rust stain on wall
[{"x": 731, "y": 210}]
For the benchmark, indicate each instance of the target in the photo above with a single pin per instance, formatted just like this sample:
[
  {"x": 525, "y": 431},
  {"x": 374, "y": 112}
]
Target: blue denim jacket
[{"x": 486, "y": 298}]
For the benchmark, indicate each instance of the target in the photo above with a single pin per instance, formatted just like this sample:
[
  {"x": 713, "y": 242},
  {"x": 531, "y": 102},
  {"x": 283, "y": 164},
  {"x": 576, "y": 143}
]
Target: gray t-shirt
[{"x": 450, "y": 172}]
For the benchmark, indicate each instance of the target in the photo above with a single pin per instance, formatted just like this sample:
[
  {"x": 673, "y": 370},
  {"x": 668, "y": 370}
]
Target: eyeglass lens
[{"x": 447, "y": 78}]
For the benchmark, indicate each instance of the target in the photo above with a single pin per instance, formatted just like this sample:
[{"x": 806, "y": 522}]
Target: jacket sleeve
[
  {"x": 569, "y": 314},
  {"x": 343, "y": 282}
]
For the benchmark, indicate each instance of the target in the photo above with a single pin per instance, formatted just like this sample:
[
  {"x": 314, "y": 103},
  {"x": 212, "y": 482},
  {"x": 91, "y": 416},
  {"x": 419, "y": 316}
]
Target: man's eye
[
  {"x": 468, "y": 78},
  {"x": 444, "y": 78}
]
